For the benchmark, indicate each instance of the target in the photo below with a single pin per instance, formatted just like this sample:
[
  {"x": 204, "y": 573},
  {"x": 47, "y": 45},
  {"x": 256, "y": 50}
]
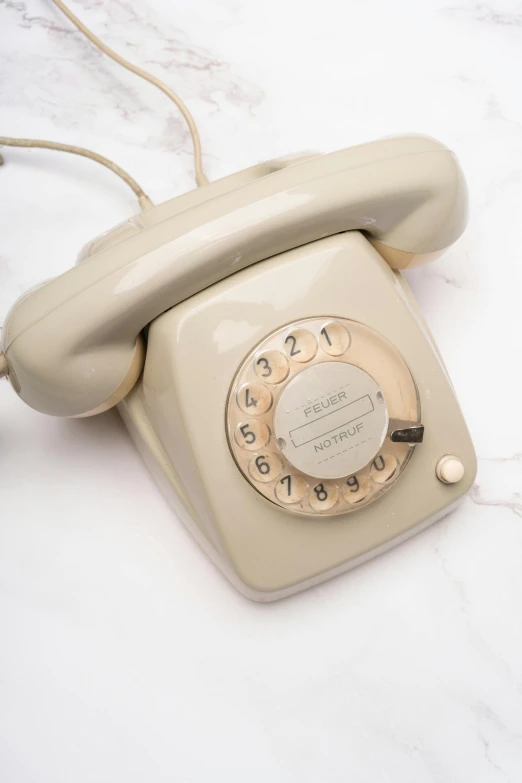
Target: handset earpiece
[{"x": 71, "y": 344}]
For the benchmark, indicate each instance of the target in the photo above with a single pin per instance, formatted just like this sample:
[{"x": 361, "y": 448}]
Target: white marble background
[{"x": 124, "y": 656}]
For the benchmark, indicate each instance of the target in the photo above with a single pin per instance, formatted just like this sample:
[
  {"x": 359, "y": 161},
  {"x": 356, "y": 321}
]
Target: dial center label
[{"x": 331, "y": 420}]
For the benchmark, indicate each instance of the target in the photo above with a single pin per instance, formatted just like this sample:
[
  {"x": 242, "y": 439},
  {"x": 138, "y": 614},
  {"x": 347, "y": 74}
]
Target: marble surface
[{"x": 125, "y": 656}]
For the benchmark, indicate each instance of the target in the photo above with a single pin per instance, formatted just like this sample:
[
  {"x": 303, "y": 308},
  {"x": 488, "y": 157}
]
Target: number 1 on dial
[
  {"x": 325, "y": 335},
  {"x": 334, "y": 338}
]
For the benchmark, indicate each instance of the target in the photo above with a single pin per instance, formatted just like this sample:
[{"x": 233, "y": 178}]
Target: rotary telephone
[{"x": 268, "y": 358}]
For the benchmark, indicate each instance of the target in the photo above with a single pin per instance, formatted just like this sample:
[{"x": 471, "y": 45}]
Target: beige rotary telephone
[{"x": 268, "y": 358}]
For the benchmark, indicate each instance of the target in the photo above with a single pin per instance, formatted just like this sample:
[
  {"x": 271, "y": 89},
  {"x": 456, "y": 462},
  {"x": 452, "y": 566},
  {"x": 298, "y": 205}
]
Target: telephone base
[
  {"x": 176, "y": 415},
  {"x": 133, "y": 413}
]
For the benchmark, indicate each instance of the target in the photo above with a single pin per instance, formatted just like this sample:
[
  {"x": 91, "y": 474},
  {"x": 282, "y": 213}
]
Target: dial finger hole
[
  {"x": 300, "y": 345},
  {"x": 356, "y": 488},
  {"x": 265, "y": 467},
  {"x": 252, "y": 435},
  {"x": 254, "y": 399},
  {"x": 271, "y": 366},
  {"x": 291, "y": 488},
  {"x": 323, "y": 496},
  {"x": 334, "y": 338},
  {"x": 384, "y": 467}
]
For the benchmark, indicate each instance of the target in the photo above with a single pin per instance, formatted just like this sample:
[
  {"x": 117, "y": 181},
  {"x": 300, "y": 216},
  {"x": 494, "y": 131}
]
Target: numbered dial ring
[{"x": 314, "y": 413}]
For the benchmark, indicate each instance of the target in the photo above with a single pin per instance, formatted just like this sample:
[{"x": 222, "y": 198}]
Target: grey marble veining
[{"x": 128, "y": 657}]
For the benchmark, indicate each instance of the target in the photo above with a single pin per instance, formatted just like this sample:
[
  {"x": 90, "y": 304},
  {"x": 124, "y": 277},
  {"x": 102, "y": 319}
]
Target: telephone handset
[
  {"x": 287, "y": 394},
  {"x": 407, "y": 194}
]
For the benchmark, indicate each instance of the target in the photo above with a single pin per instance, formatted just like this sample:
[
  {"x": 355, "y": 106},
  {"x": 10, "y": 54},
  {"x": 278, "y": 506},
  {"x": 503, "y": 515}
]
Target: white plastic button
[{"x": 449, "y": 469}]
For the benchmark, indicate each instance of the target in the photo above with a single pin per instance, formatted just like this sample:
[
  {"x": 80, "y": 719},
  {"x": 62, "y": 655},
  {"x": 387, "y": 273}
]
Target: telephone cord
[{"x": 144, "y": 200}]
